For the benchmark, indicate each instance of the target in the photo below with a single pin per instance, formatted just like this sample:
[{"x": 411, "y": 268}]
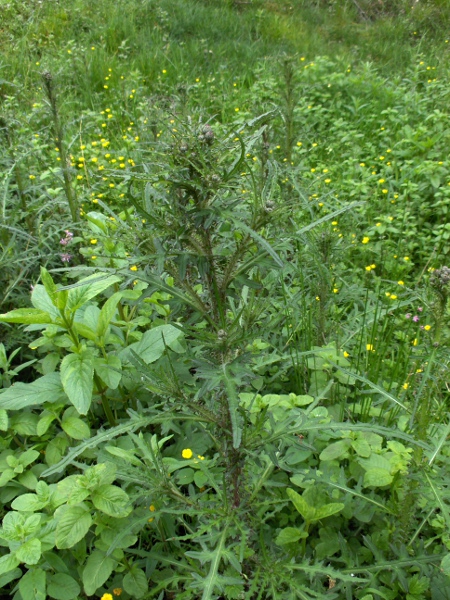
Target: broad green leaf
[
  {"x": 44, "y": 423},
  {"x": 8, "y": 562},
  {"x": 27, "y": 316},
  {"x": 200, "y": 479},
  {"x": 50, "y": 286},
  {"x": 111, "y": 500},
  {"x": 77, "y": 372},
  {"x": 126, "y": 455},
  {"x": 97, "y": 570},
  {"x": 135, "y": 582},
  {"x": 91, "y": 315},
  {"x": 435, "y": 180},
  {"x": 62, "y": 587},
  {"x": 28, "y": 480},
  {"x": 28, "y": 503},
  {"x": 55, "y": 450},
  {"x": 76, "y": 428},
  {"x": 72, "y": 526},
  {"x": 45, "y": 389},
  {"x": 29, "y": 552},
  {"x": 290, "y": 535},
  {"x": 328, "y": 509},
  {"x": 153, "y": 343},
  {"x": 307, "y": 512},
  {"x": 71, "y": 490},
  {"x": 335, "y": 450},
  {"x": 109, "y": 370},
  {"x": 3, "y": 420},
  {"x": 28, "y": 457},
  {"x": 445, "y": 565},
  {"x": 377, "y": 478},
  {"x": 362, "y": 447},
  {"x": 41, "y": 300},
  {"x": 88, "y": 288},
  {"x": 107, "y": 312},
  {"x": 32, "y": 585},
  {"x": 9, "y": 576},
  {"x": 85, "y": 331}
]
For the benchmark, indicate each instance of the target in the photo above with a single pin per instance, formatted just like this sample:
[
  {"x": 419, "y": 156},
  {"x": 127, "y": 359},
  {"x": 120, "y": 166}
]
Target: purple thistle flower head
[
  {"x": 66, "y": 257},
  {"x": 408, "y": 316},
  {"x": 415, "y": 318},
  {"x": 419, "y": 308}
]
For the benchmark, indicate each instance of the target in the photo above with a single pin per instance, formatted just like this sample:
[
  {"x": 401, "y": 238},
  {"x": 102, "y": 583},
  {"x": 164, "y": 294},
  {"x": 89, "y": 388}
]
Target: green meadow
[{"x": 224, "y": 300}]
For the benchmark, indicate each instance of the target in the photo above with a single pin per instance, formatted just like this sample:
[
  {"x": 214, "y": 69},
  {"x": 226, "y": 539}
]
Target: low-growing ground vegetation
[{"x": 224, "y": 268}]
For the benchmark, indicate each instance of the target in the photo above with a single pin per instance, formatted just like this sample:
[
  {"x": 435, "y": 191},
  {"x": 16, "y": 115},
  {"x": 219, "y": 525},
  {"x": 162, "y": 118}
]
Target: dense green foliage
[{"x": 224, "y": 295}]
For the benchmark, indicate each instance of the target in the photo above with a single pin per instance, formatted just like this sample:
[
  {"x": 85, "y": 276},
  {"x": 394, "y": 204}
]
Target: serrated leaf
[
  {"x": 32, "y": 584},
  {"x": 77, "y": 372},
  {"x": 97, "y": 570},
  {"x": 29, "y": 552},
  {"x": 102, "y": 436},
  {"x": 45, "y": 389},
  {"x": 62, "y": 587},
  {"x": 135, "y": 582},
  {"x": 88, "y": 288},
  {"x": 111, "y": 500},
  {"x": 72, "y": 526},
  {"x": 76, "y": 428}
]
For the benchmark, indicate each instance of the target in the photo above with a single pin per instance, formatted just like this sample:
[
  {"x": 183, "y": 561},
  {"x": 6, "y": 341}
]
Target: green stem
[{"x": 105, "y": 404}]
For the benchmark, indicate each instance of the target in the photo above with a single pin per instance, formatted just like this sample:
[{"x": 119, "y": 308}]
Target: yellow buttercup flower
[{"x": 187, "y": 453}]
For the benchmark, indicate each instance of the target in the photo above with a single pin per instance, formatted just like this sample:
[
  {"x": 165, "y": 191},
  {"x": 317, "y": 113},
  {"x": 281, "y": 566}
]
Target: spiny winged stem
[
  {"x": 59, "y": 136},
  {"x": 289, "y": 98}
]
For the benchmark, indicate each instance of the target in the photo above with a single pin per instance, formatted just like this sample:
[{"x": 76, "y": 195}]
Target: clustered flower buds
[
  {"x": 64, "y": 241},
  {"x": 207, "y": 135},
  {"x": 65, "y": 256},
  {"x": 440, "y": 278}
]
